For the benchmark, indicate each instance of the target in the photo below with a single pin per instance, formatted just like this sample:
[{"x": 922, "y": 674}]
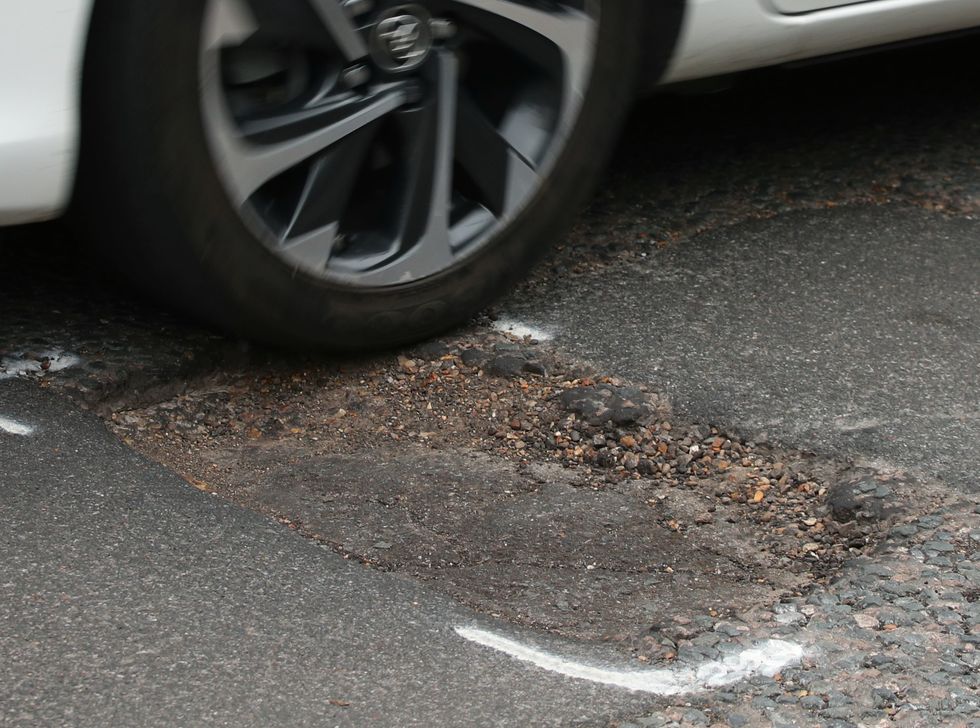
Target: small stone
[
  {"x": 877, "y": 660},
  {"x": 626, "y": 415},
  {"x": 764, "y": 703},
  {"x": 812, "y": 702},
  {"x": 790, "y": 617},
  {"x": 899, "y": 588},
  {"x": 507, "y": 365},
  {"x": 695, "y": 717},
  {"x": 730, "y": 629},
  {"x": 534, "y": 367},
  {"x": 847, "y": 503},
  {"x": 473, "y": 357},
  {"x": 839, "y": 717},
  {"x": 432, "y": 350},
  {"x": 843, "y": 504},
  {"x": 883, "y": 697},
  {"x": 382, "y": 545},
  {"x": 866, "y": 621}
]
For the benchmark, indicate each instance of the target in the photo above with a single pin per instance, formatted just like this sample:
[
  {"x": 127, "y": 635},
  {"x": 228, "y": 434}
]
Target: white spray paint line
[
  {"x": 20, "y": 366},
  {"x": 15, "y": 428},
  {"x": 521, "y": 330},
  {"x": 766, "y": 658}
]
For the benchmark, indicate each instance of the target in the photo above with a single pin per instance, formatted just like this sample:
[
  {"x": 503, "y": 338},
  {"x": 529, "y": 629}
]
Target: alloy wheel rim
[{"x": 374, "y": 143}]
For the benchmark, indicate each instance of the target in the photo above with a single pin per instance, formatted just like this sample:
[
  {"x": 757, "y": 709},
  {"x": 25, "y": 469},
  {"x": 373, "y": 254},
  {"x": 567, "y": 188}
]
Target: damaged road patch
[
  {"x": 525, "y": 486},
  {"x": 531, "y": 544}
]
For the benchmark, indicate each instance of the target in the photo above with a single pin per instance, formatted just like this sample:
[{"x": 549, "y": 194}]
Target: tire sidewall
[{"x": 168, "y": 179}]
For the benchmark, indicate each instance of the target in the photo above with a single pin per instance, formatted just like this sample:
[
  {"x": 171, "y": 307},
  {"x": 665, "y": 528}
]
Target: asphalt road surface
[
  {"x": 793, "y": 262},
  {"x": 851, "y": 331},
  {"x": 129, "y": 598}
]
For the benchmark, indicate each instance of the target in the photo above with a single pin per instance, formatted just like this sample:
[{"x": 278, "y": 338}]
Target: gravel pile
[{"x": 538, "y": 406}]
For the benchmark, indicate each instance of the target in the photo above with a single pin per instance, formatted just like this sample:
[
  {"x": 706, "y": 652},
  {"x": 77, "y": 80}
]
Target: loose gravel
[{"x": 892, "y": 641}]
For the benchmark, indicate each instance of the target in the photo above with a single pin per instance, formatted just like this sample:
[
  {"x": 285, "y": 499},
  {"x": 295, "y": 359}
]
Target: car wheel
[{"x": 344, "y": 175}]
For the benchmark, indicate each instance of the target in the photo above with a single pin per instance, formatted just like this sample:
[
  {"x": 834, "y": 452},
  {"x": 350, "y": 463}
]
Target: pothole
[{"x": 526, "y": 487}]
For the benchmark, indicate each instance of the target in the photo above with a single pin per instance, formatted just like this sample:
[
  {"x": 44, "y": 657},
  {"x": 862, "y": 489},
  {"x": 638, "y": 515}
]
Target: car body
[
  {"x": 45, "y": 74},
  {"x": 41, "y": 50}
]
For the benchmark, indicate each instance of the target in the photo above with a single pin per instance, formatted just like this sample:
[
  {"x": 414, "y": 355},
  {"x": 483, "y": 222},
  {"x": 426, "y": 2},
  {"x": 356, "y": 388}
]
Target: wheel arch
[{"x": 660, "y": 33}]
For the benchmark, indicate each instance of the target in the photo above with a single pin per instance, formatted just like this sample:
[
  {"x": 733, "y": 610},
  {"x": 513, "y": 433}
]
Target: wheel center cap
[{"x": 402, "y": 39}]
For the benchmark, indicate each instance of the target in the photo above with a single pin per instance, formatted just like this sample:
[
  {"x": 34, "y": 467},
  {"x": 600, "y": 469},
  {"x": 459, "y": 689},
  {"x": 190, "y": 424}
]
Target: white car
[{"x": 356, "y": 173}]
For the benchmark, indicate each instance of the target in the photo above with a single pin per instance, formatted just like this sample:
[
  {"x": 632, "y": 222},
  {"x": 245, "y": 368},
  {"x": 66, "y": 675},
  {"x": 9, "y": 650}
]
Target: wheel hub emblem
[{"x": 402, "y": 39}]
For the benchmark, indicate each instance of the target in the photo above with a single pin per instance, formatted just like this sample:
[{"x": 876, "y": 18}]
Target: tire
[{"x": 156, "y": 203}]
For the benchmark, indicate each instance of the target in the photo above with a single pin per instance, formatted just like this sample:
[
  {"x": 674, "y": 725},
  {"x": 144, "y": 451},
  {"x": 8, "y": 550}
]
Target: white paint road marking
[
  {"x": 15, "y": 428},
  {"x": 21, "y": 366},
  {"x": 516, "y": 328},
  {"x": 767, "y": 658}
]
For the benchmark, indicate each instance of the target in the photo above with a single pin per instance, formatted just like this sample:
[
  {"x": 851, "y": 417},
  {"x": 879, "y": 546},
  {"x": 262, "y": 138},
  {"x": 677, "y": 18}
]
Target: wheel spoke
[
  {"x": 571, "y": 31},
  {"x": 346, "y": 171},
  {"x": 312, "y": 250},
  {"x": 426, "y": 248},
  {"x": 335, "y": 110},
  {"x": 312, "y": 23},
  {"x": 501, "y": 173},
  {"x": 341, "y": 29},
  {"x": 310, "y": 236},
  {"x": 522, "y": 179},
  {"x": 248, "y": 165},
  {"x": 419, "y": 129},
  {"x": 299, "y": 134},
  {"x": 226, "y": 23}
]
